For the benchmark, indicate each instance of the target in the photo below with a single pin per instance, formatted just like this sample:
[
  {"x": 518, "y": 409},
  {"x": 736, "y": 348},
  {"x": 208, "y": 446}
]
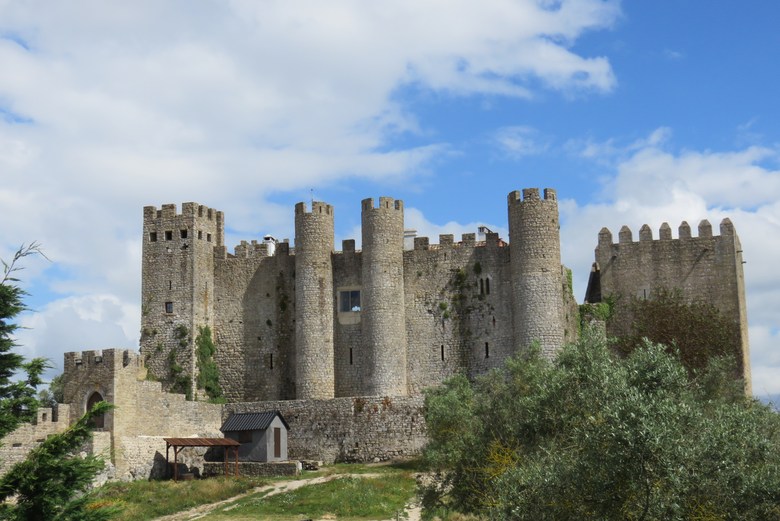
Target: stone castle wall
[
  {"x": 350, "y": 429},
  {"x": 16, "y": 444},
  {"x": 706, "y": 267},
  {"x": 282, "y": 331},
  {"x": 254, "y": 324},
  {"x": 143, "y": 415}
]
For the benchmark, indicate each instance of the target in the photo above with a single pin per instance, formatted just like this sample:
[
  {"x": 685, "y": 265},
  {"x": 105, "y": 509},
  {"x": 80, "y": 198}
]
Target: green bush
[{"x": 594, "y": 435}]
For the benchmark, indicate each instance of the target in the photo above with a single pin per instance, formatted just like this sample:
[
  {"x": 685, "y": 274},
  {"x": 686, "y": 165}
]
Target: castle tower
[
  {"x": 177, "y": 287},
  {"x": 314, "y": 372},
  {"x": 382, "y": 303},
  {"x": 535, "y": 266}
]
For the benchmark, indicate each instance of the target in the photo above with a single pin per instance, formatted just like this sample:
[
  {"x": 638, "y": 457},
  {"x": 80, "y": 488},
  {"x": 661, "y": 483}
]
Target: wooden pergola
[{"x": 180, "y": 443}]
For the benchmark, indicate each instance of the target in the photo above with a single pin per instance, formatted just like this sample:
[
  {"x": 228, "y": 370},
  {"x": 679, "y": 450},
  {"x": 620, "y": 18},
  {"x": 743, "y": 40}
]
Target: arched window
[{"x": 98, "y": 421}]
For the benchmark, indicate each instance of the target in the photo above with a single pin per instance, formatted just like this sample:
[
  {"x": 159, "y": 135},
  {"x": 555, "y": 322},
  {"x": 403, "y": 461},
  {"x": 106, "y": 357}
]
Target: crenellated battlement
[
  {"x": 468, "y": 240},
  {"x": 106, "y": 358},
  {"x": 252, "y": 249},
  {"x": 317, "y": 208},
  {"x": 626, "y": 236},
  {"x": 168, "y": 211},
  {"x": 385, "y": 203},
  {"x": 530, "y": 194}
]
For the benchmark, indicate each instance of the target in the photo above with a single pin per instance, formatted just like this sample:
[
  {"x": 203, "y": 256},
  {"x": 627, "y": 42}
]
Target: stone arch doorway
[{"x": 98, "y": 421}]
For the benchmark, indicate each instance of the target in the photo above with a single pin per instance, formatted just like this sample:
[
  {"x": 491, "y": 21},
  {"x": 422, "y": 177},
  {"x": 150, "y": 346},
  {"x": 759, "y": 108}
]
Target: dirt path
[{"x": 278, "y": 487}]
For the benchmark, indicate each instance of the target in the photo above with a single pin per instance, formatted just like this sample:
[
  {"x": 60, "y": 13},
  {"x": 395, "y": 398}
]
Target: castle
[
  {"x": 311, "y": 322},
  {"x": 343, "y": 342}
]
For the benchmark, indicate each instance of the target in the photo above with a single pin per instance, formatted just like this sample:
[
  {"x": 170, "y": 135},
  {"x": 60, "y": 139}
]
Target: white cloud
[
  {"x": 520, "y": 141},
  {"x": 77, "y": 324}
]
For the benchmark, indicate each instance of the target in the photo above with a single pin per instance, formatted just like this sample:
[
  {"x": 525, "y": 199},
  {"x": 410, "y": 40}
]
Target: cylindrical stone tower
[
  {"x": 535, "y": 263},
  {"x": 382, "y": 313},
  {"x": 314, "y": 375}
]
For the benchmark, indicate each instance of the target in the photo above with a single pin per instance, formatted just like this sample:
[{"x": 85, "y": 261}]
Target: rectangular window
[
  {"x": 244, "y": 436},
  {"x": 169, "y": 235},
  {"x": 200, "y": 234},
  {"x": 169, "y": 307},
  {"x": 152, "y": 236},
  {"x": 183, "y": 234},
  {"x": 349, "y": 300},
  {"x": 208, "y": 237}
]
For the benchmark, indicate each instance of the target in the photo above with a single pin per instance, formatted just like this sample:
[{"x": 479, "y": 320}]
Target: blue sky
[{"x": 640, "y": 112}]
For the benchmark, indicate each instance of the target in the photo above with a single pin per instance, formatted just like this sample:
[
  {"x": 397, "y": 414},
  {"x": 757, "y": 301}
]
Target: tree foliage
[
  {"x": 697, "y": 328},
  {"x": 49, "y": 484},
  {"x": 595, "y": 435},
  {"x": 18, "y": 402},
  {"x": 45, "y": 485},
  {"x": 208, "y": 372}
]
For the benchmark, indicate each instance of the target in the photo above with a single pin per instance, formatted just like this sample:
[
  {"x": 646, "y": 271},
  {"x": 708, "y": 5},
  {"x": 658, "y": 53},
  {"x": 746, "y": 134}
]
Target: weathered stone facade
[
  {"x": 314, "y": 323},
  {"x": 706, "y": 267}
]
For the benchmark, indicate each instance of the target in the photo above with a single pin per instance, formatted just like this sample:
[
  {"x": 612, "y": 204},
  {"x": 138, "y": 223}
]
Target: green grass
[
  {"x": 348, "y": 498},
  {"x": 143, "y": 500}
]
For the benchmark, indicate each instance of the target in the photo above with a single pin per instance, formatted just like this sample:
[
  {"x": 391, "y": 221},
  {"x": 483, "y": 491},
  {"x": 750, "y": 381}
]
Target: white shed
[{"x": 262, "y": 435}]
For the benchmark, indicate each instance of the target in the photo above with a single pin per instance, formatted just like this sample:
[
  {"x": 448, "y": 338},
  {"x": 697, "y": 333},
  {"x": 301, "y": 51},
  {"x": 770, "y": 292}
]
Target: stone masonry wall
[
  {"x": 254, "y": 326},
  {"x": 456, "y": 321},
  {"x": 18, "y": 443},
  {"x": 357, "y": 429},
  {"x": 351, "y": 355},
  {"x": 143, "y": 413},
  {"x": 177, "y": 286},
  {"x": 707, "y": 267}
]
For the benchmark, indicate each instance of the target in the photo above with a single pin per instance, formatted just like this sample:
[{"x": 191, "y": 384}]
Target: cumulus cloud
[
  {"x": 107, "y": 107},
  {"x": 78, "y": 323}
]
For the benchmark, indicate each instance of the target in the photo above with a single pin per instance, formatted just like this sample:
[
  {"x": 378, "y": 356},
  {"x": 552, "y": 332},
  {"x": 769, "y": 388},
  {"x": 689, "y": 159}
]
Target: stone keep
[{"x": 705, "y": 267}]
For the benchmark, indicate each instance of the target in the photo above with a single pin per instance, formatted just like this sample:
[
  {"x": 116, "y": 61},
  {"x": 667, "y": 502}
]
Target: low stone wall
[
  {"x": 358, "y": 429},
  {"x": 18, "y": 443},
  {"x": 253, "y": 468}
]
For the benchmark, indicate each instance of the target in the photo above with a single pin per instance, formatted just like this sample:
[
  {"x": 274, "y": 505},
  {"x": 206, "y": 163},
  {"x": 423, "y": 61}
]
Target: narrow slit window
[
  {"x": 487, "y": 286},
  {"x": 481, "y": 286},
  {"x": 487, "y": 350},
  {"x": 170, "y": 284},
  {"x": 442, "y": 352},
  {"x": 271, "y": 361},
  {"x": 350, "y": 356}
]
